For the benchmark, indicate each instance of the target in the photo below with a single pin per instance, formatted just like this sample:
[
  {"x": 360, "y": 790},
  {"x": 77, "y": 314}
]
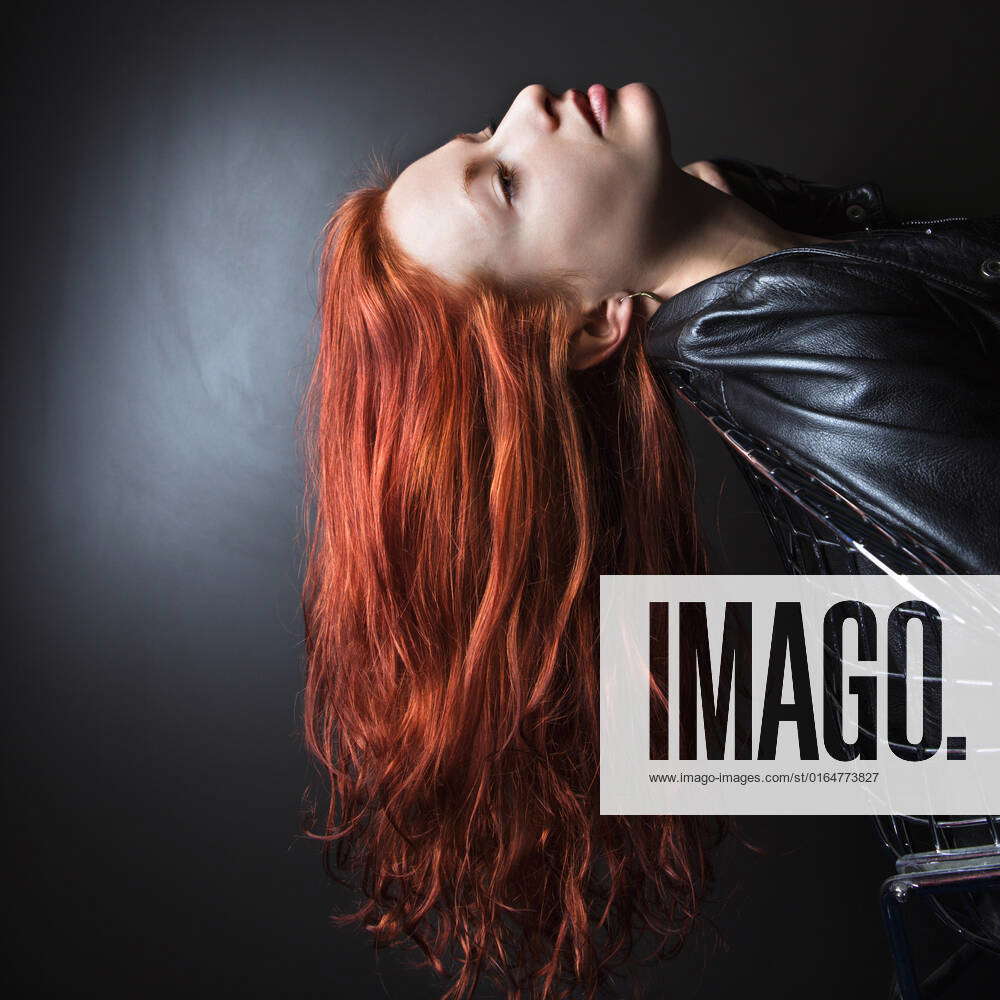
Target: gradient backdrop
[{"x": 169, "y": 168}]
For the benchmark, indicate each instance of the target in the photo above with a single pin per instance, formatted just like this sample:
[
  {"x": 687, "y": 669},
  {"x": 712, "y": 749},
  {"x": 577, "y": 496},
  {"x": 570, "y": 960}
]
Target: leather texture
[{"x": 867, "y": 369}]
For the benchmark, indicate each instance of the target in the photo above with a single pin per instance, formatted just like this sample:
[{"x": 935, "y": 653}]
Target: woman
[{"x": 489, "y": 431}]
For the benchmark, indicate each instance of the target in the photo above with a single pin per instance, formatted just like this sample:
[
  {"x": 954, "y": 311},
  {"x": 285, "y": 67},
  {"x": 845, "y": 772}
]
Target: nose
[{"x": 541, "y": 106}]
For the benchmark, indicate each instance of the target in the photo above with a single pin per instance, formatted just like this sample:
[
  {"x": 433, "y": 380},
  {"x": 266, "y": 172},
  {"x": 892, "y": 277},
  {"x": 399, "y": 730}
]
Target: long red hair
[{"x": 465, "y": 490}]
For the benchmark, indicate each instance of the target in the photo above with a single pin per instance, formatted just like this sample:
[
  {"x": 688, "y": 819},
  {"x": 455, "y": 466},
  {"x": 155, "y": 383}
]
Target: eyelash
[{"x": 509, "y": 180}]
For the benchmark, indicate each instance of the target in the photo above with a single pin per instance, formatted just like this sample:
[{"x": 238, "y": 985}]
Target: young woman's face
[{"x": 581, "y": 201}]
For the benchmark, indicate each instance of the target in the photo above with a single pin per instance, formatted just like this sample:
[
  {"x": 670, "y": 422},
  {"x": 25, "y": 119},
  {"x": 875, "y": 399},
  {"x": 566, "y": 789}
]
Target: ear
[{"x": 602, "y": 332}]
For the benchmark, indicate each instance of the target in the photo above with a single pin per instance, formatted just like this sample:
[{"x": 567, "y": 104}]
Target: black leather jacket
[{"x": 858, "y": 381}]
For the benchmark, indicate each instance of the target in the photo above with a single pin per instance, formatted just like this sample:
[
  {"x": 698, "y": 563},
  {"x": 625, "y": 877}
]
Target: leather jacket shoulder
[{"x": 870, "y": 366}]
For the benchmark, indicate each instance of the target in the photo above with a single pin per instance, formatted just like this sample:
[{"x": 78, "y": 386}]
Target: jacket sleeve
[
  {"x": 806, "y": 206},
  {"x": 863, "y": 380}
]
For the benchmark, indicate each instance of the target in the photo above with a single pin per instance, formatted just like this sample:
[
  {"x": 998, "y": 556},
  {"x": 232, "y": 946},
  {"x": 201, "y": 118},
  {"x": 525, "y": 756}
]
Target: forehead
[{"x": 432, "y": 218}]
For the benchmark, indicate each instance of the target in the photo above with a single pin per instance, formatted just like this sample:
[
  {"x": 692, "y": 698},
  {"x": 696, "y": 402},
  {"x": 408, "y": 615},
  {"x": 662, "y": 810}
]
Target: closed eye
[
  {"x": 509, "y": 181},
  {"x": 506, "y": 174}
]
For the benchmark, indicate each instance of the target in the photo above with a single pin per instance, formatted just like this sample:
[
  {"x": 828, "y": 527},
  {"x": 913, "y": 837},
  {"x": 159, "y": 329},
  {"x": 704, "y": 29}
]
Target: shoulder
[
  {"x": 791, "y": 308},
  {"x": 821, "y": 275},
  {"x": 887, "y": 295},
  {"x": 707, "y": 171},
  {"x": 950, "y": 258}
]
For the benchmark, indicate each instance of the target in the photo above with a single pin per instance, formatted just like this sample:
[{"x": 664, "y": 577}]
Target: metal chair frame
[{"x": 949, "y": 860}]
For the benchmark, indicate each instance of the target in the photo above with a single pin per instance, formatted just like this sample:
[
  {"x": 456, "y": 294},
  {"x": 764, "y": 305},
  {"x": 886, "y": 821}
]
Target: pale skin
[{"x": 612, "y": 211}]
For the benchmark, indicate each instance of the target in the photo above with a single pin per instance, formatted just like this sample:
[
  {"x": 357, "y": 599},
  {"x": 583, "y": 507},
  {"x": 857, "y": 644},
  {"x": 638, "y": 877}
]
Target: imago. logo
[
  {"x": 723, "y": 687},
  {"x": 797, "y": 694}
]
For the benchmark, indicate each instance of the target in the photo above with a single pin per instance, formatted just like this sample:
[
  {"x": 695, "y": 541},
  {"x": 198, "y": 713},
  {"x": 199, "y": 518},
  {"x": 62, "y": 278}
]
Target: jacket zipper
[{"x": 930, "y": 222}]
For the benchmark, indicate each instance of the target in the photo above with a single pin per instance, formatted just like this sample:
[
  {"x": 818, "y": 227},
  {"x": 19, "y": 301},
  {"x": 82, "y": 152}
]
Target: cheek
[{"x": 595, "y": 219}]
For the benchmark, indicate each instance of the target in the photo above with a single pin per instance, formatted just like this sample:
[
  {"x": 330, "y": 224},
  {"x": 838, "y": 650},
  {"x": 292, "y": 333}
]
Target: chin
[
  {"x": 641, "y": 100},
  {"x": 638, "y": 91}
]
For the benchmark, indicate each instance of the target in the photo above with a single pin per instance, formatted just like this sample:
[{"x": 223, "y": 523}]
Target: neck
[{"x": 706, "y": 232}]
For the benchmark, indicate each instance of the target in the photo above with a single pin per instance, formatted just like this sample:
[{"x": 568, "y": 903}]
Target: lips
[
  {"x": 583, "y": 104},
  {"x": 600, "y": 103}
]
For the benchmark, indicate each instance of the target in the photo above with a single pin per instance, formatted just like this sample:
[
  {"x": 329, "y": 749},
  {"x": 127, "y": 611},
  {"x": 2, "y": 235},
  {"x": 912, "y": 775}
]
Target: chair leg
[{"x": 898, "y": 889}]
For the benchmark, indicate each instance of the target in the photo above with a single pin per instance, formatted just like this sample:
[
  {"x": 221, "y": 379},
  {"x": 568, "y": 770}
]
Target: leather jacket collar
[
  {"x": 858, "y": 216},
  {"x": 870, "y": 366},
  {"x": 804, "y": 206}
]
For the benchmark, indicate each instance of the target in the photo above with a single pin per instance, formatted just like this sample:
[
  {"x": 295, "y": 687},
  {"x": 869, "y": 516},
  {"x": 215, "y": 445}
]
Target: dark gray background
[{"x": 168, "y": 170}]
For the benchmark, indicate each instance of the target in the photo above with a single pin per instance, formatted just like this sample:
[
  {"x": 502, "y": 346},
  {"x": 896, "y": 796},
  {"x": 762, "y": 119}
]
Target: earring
[{"x": 650, "y": 295}]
